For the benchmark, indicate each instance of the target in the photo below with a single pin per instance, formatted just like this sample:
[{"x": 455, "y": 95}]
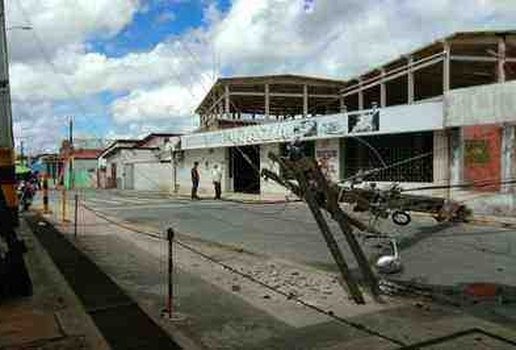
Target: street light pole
[
  {"x": 7, "y": 161},
  {"x": 71, "y": 178},
  {"x": 15, "y": 274}
]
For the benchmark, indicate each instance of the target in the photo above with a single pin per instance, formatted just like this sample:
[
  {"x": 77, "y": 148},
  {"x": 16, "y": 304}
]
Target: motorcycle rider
[{"x": 25, "y": 194}]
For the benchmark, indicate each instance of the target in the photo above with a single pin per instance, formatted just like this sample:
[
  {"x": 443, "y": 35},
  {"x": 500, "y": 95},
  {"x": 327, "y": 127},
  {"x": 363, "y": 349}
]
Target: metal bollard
[
  {"x": 75, "y": 219},
  {"x": 170, "y": 239},
  {"x": 63, "y": 206},
  {"x": 45, "y": 195}
]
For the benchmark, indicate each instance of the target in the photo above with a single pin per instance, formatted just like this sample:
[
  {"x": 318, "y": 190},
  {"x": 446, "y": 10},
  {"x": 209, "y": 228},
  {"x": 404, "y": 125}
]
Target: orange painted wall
[{"x": 482, "y": 147}]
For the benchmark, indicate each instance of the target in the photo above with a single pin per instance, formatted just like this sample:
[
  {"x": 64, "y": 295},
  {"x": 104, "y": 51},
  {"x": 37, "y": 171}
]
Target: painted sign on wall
[
  {"x": 327, "y": 155},
  {"x": 406, "y": 118},
  {"x": 482, "y": 150},
  {"x": 364, "y": 122}
]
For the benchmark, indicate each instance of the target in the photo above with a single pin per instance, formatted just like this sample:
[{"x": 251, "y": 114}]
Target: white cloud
[
  {"x": 61, "y": 23},
  {"x": 90, "y": 73},
  {"x": 337, "y": 39},
  {"x": 342, "y": 38},
  {"x": 37, "y": 126},
  {"x": 162, "y": 103}
]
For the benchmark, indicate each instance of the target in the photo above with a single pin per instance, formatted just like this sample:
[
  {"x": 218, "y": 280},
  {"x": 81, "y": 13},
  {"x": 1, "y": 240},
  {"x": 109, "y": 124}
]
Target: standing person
[
  {"x": 195, "y": 180},
  {"x": 216, "y": 176}
]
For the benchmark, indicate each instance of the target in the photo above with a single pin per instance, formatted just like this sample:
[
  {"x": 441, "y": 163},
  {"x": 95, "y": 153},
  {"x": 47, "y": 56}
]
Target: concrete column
[
  {"x": 343, "y": 108},
  {"x": 383, "y": 90},
  {"x": 446, "y": 67},
  {"x": 305, "y": 101},
  {"x": 441, "y": 158},
  {"x": 456, "y": 155},
  {"x": 267, "y": 101},
  {"x": 501, "y": 59},
  {"x": 410, "y": 81},
  {"x": 507, "y": 156},
  {"x": 226, "y": 100},
  {"x": 360, "y": 96}
]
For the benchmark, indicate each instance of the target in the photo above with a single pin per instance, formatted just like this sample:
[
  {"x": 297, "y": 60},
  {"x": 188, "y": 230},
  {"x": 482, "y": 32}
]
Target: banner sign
[{"x": 404, "y": 118}]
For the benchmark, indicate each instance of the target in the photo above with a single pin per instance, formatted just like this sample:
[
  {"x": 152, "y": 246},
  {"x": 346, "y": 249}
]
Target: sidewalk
[{"x": 53, "y": 317}]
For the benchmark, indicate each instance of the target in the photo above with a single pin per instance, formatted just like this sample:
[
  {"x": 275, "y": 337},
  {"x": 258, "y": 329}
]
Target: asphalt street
[{"x": 431, "y": 253}]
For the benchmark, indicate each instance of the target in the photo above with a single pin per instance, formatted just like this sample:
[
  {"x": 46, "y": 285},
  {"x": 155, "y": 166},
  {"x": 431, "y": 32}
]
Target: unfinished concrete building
[{"x": 451, "y": 104}]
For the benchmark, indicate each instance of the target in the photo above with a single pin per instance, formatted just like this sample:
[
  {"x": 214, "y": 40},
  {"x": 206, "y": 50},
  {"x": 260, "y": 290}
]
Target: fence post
[
  {"x": 76, "y": 197},
  {"x": 170, "y": 239},
  {"x": 63, "y": 205},
  {"x": 45, "y": 194}
]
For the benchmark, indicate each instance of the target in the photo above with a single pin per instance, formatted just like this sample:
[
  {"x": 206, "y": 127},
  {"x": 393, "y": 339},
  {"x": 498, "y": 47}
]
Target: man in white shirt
[{"x": 216, "y": 176}]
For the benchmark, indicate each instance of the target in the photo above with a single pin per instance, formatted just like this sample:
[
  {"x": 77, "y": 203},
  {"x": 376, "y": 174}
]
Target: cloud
[
  {"x": 91, "y": 72},
  {"x": 342, "y": 38},
  {"x": 37, "y": 126},
  {"x": 162, "y": 103},
  {"x": 161, "y": 87},
  {"x": 63, "y": 23}
]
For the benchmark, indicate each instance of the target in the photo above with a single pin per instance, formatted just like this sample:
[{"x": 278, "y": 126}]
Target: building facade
[
  {"x": 441, "y": 115},
  {"x": 77, "y": 167},
  {"x": 139, "y": 164}
]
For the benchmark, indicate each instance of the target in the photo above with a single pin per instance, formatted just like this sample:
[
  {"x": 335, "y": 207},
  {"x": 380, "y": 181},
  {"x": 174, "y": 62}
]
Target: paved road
[{"x": 430, "y": 253}]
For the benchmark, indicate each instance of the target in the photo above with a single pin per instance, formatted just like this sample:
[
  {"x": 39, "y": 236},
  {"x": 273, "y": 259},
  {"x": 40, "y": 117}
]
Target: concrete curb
[
  {"x": 493, "y": 221},
  {"x": 462, "y": 294},
  {"x": 54, "y": 297},
  {"x": 242, "y": 200}
]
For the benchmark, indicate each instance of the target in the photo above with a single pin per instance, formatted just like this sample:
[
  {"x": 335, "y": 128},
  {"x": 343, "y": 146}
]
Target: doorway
[{"x": 245, "y": 167}]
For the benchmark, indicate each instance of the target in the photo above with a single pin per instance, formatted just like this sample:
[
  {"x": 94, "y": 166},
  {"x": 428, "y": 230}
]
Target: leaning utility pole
[
  {"x": 7, "y": 159},
  {"x": 320, "y": 194},
  {"x": 70, "y": 155}
]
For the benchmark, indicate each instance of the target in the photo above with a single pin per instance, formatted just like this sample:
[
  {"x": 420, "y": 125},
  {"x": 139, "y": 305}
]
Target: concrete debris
[
  {"x": 236, "y": 288},
  {"x": 292, "y": 295},
  {"x": 418, "y": 304}
]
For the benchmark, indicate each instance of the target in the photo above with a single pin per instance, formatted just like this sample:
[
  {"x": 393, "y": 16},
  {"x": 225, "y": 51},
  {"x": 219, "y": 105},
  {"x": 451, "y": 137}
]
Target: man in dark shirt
[{"x": 195, "y": 180}]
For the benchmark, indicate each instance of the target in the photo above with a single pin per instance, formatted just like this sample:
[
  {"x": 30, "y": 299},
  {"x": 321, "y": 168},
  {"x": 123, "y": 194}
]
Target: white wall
[
  {"x": 207, "y": 158},
  {"x": 441, "y": 158},
  {"x": 130, "y": 156},
  {"x": 485, "y": 104},
  {"x": 269, "y": 186},
  {"x": 153, "y": 177},
  {"x": 329, "y": 149}
]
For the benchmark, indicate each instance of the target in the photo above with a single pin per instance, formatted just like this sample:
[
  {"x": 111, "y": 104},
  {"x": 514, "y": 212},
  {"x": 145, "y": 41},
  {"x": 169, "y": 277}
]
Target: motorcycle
[{"x": 25, "y": 194}]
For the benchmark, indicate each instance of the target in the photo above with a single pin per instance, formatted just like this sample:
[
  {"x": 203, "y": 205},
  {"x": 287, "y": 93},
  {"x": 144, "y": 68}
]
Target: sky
[{"x": 124, "y": 68}]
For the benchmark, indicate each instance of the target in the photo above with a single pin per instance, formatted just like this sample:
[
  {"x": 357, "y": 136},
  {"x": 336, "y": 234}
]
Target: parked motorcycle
[{"x": 25, "y": 194}]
